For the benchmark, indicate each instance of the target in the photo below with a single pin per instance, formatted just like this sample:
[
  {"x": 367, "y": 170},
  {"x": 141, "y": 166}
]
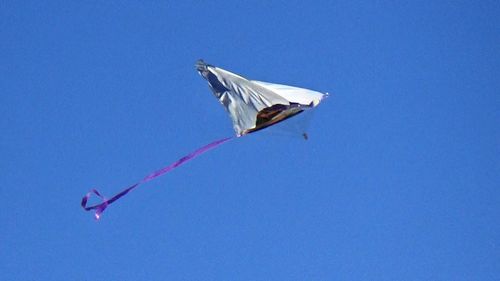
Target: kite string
[{"x": 99, "y": 208}]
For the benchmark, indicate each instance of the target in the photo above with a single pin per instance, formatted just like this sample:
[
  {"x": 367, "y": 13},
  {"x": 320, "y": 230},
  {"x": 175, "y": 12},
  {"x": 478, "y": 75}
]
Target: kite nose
[{"x": 202, "y": 68}]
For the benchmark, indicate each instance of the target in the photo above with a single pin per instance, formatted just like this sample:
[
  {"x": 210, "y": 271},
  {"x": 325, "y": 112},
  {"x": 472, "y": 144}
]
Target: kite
[{"x": 252, "y": 106}]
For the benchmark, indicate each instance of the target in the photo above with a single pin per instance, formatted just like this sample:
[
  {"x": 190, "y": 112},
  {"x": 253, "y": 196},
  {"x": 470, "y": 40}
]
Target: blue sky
[{"x": 399, "y": 179}]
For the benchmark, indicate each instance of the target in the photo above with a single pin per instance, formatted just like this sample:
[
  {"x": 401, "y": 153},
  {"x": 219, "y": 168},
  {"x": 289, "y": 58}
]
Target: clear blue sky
[{"x": 399, "y": 179}]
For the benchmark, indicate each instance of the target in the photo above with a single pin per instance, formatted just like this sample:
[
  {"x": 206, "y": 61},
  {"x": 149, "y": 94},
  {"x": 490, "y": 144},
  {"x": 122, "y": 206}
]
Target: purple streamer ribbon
[{"x": 99, "y": 208}]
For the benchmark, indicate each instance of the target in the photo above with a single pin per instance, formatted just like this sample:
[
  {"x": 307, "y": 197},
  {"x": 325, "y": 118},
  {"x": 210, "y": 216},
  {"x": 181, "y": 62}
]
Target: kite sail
[
  {"x": 251, "y": 105},
  {"x": 254, "y": 105}
]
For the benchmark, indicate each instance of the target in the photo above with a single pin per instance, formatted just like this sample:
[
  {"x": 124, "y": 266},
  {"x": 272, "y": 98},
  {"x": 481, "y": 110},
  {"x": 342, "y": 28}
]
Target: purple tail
[{"x": 99, "y": 208}]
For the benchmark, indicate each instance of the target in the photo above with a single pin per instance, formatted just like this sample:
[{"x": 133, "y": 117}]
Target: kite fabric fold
[
  {"x": 251, "y": 105},
  {"x": 99, "y": 208}
]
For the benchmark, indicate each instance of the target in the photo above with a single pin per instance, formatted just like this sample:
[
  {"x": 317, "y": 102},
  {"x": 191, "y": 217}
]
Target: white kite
[{"x": 254, "y": 105}]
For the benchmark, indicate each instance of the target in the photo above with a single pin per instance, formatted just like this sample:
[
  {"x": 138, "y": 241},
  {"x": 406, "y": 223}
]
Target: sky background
[{"x": 399, "y": 179}]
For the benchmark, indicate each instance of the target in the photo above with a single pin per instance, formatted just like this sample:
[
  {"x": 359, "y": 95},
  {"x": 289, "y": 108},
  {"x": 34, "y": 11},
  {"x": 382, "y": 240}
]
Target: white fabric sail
[{"x": 254, "y": 105}]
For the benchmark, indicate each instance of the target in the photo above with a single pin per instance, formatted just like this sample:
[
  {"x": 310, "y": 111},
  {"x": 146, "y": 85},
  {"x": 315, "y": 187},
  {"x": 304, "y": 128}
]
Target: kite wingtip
[{"x": 201, "y": 65}]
